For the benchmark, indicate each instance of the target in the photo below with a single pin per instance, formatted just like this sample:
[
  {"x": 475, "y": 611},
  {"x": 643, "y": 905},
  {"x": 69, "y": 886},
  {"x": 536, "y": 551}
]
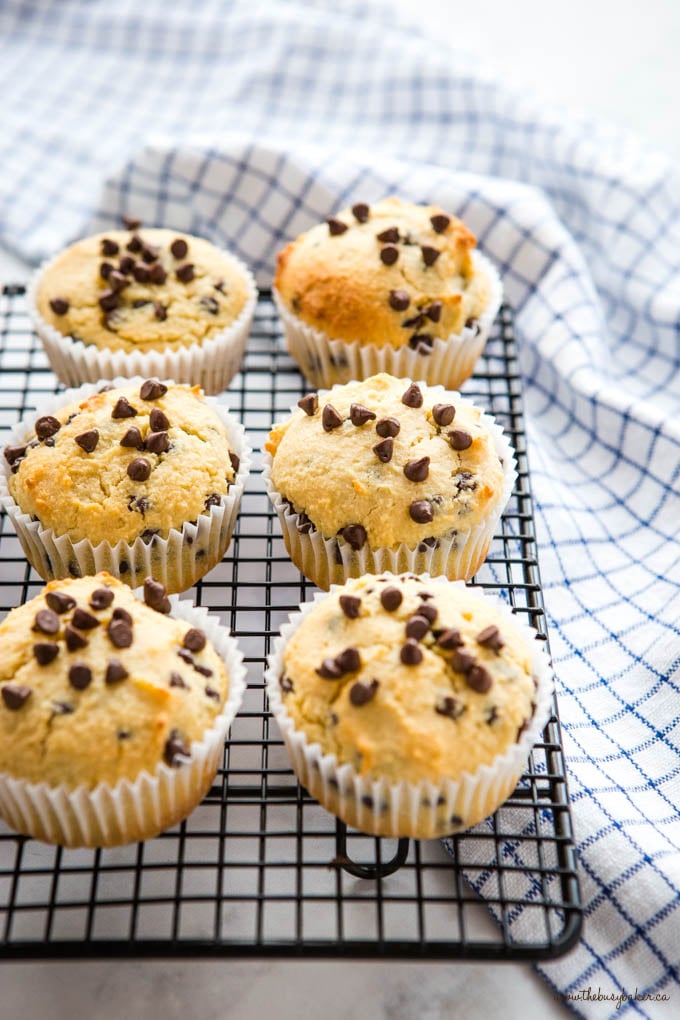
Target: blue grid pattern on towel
[{"x": 246, "y": 124}]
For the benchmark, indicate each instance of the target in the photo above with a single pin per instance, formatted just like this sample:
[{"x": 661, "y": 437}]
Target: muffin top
[
  {"x": 135, "y": 460},
  {"x": 142, "y": 290},
  {"x": 406, "y": 678},
  {"x": 97, "y": 686},
  {"x": 386, "y": 461},
  {"x": 389, "y": 274}
]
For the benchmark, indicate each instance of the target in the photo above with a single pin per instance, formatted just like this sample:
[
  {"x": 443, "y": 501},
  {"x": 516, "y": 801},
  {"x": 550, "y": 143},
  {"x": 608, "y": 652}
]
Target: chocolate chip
[
  {"x": 449, "y": 707},
  {"x": 87, "y": 441},
  {"x": 108, "y": 300},
  {"x": 335, "y": 226},
  {"x": 45, "y": 652},
  {"x": 115, "y": 672},
  {"x": 117, "y": 281},
  {"x": 135, "y": 243},
  {"x": 389, "y": 236},
  {"x": 355, "y": 535},
  {"x": 389, "y": 254},
  {"x": 349, "y": 660},
  {"x": 131, "y": 223},
  {"x": 235, "y": 461},
  {"x": 14, "y": 454},
  {"x": 443, "y": 414},
  {"x": 417, "y": 470},
  {"x": 15, "y": 696},
  {"x": 421, "y": 342},
  {"x": 132, "y": 439},
  {"x": 459, "y": 439},
  {"x": 490, "y": 637},
  {"x": 384, "y": 450},
  {"x": 179, "y": 248},
  {"x": 84, "y": 620},
  {"x": 417, "y": 627},
  {"x": 194, "y": 640},
  {"x": 74, "y": 640},
  {"x": 158, "y": 275},
  {"x": 185, "y": 273},
  {"x": 139, "y": 469},
  {"x": 140, "y": 271},
  {"x": 350, "y": 605},
  {"x": 156, "y": 442},
  {"x": 160, "y": 311},
  {"x": 59, "y": 305},
  {"x": 120, "y": 633},
  {"x": 390, "y": 599},
  {"x": 122, "y": 614},
  {"x": 430, "y": 254},
  {"x": 479, "y": 678},
  {"x": 105, "y": 270},
  {"x": 46, "y": 621},
  {"x": 152, "y": 389},
  {"x": 421, "y": 511},
  {"x": 210, "y": 692},
  {"x": 462, "y": 660},
  {"x": 150, "y": 253},
  {"x": 440, "y": 222},
  {"x": 209, "y": 304},
  {"x": 176, "y": 750},
  {"x": 329, "y": 670},
  {"x": 434, "y": 311},
  {"x": 59, "y": 602},
  {"x": 309, "y": 404},
  {"x": 176, "y": 679},
  {"x": 109, "y": 247},
  {"x": 101, "y": 598},
  {"x": 330, "y": 418},
  {"x": 126, "y": 264},
  {"x": 80, "y": 676},
  {"x": 450, "y": 639},
  {"x": 387, "y": 428},
  {"x": 473, "y": 323},
  {"x": 429, "y": 612},
  {"x": 158, "y": 420},
  {"x": 123, "y": 409},
  {"x": 410, "y": 653},
  {"x": 62, "y": 708},
  {"x": 186, "y": 656},
  {"x": 415, "y": 322},
  {"x": 413, "y": 396},
  {"x": 286, "y": 684},
  {"x": 361, "y": 212},
  {"x": 359, "y": 415},
  {"x": 47, "y": 426},
  {"x": 361, "y": 693},
  {"x": 212, "y": 500},
  {"x": 155, "y": 597},
  {"x": 399, "y": 300},
  {"x": 492, "y": 715}
]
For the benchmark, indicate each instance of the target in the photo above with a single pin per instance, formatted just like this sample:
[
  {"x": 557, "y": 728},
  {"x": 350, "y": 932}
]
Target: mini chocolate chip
[
  {"x": 45, "y": 652},
  {"x": 349, "y": 660},
  {"x": 384, "y": 450},
  {"x": 132, "y": 438},
  {"x": 443, "y": 414},
  {"x": 74, "y": 640},
  {"x": 59, "y": 305},
  {"x": 176, "y": 679},
  {"x": 135, "y": 243},
  {"x": 309, "y": 404},
  {"x": 434, "y": 311},
  {"x": 414, "y": 322},
  {"x": 160, "y": 311},
  {"x": 158, "y": 275},
  {"x": 105, "y": 270},
  {"x": 473, "y": 323},
  {"x": 417, "y": 470},
  {"x": 101, "y": 598},
  {"x": 399, "y": 300},
  {"x": 387, "y": 427},
  {"x": 355, "y": 535},
  {"x": 179, "y": 248},
  {"x": 210, "y": 692},
  {"x": 213, "y": 500},
  {"x": 14, "y": 454},
  {"x": 176, "y": 749},
  {"x": 158, "y": 420},
  {"x": 185, "y": 273},
  {"x": 413, "y": 396},
  {"x": 139, "y": 469},
  {"x": 152, "y": 389},
  {"x": 123, "y": 409},
  {"x": 186, "y": 656},
  {"x": 109, "y": 246},
  {"x": 155, "y": 442},
  {"x": 479, "y": 678},
  {"x": 440, "y": 222},
  {"x": 154, "y": 595},
  {"x": 449, "y": 707},
  {"x": 459, "y": 439},
  {"x": 335, "y": 226},
  {"x": 410, "y": 654},
  {"x": 87, "y": 441},
  {"x": 80, "y": 676},
  {"x": 131, "y": 223},
  {"x": 421, "y": 342},
  {"x": 430, "y": 254},
  {"x": 83, "y": 620},
  {"x": 140, "y": 272},
  {"x": 126, "y": 264},
  {"x": 115, "y": 672},
  {"x": 359, "y": 415},
  {"x": 462, "y": 660},
  {"x": 120, "y": 633},
  {"x": 15, "y": 696},
  {"x": 194, "y": 640},
  {"x": 59, "y": 602},
  {"x": 329, "y": 670},
  {"x": 203, "y": 670},
  {"x": 450, "y": 639},
  {"x": 46, "y": 621},
  {"x": 330, "y": 418},
  {"x": 235, "y": 461},
  {"x": 389, "y": 236},
  {"x": 286, "y": 684},
  {"x": 117, "y": 281},
  {"x": 361, "y": 212},
  {"x": 389, "y": 254},
  {"x": 209, "y": 304},
  {"x": 108, "y": 300},
  {"x": 47, "y": 426},
  {"x": 417, "y": 627},
  {"x": 361, "y": 693},
  {"x": 490, "y": 637},
  {"x": 390, "y": 599},
  {"x": 351, "y": 606},
  {"x": 421, "y": 511}
]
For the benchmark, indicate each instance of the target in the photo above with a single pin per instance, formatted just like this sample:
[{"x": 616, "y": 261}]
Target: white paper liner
[
  {"x": 424, "y": 810},
  {"x": 139, "y": 809},
  {"x": 211, "y": 365},
  {"x": 178, "y": 561},
  {"x": 450, "y": 362},
  {"x": 457, "y": 554}
]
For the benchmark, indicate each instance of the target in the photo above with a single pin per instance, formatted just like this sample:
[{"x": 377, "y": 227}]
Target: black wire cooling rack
[{"x": 260, "y": 868}]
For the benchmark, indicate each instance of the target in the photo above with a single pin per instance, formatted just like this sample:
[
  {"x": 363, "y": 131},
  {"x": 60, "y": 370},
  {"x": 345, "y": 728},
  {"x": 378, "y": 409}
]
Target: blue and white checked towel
[{"x": 248, "y": 122}]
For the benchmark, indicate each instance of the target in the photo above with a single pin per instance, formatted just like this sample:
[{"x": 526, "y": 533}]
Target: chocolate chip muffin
[
  {"x": 387, "y": 474},
  {"x": 409, "y": 704},
  {"x": 139, "y": 478},
  {"x": 111, "y": 711},
  {"x": 393, "y": 286},
  {"x": 144, "y": 301}
]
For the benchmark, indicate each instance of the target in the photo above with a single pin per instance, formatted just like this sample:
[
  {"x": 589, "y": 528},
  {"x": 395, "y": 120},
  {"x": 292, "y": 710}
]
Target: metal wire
[{"x": 259, "y": 868}]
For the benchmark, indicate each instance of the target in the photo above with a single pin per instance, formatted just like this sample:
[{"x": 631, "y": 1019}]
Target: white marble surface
[{"x": 605, "y": 60}]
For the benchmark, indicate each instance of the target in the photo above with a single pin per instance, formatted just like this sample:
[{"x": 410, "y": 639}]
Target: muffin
[
  {"x": 144, "y": 302},
  {"x": 141, "y": 478},
  {"x": 408, "y": 704},
  {"x": 387, "y": 474},
  {"x": 393, "y": 287},
  {"x": 113, "y": 714}
]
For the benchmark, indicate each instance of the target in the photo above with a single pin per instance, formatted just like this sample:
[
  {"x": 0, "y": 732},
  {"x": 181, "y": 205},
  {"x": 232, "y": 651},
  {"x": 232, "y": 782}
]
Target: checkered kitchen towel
[{"x": 247, "y": 123}]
